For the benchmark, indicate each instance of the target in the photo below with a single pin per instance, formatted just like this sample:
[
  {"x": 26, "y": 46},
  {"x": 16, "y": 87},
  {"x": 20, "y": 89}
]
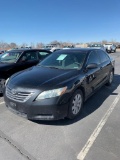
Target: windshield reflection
[{"x": 64, "y": 60}]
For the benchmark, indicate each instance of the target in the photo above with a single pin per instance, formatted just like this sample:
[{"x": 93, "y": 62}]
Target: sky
[{"x": 77, "y": 21}]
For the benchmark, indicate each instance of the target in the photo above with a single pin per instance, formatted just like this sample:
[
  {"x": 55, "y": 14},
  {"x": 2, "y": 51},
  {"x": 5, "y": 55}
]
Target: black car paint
[
  {"x": 88, "y": 80},
  {"x": 8, "y": 69}
]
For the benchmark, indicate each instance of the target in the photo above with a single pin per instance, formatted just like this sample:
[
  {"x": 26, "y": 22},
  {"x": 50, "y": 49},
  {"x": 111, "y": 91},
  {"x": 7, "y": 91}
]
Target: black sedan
[
  {"x": 19, "y": 59},
  {"x": 58, "y": 86}
]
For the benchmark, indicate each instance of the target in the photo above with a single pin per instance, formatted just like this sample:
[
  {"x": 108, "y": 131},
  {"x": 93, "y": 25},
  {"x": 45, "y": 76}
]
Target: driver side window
[{"x": 93, "y": 58}]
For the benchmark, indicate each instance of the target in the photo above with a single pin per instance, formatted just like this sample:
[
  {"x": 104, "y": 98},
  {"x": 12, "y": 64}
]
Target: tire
[
  {"x": 110, "y": 78},
  {"x": 106, "y": 50},
  {"x": 76, "y": 104},
  {"x": 2, "y": 86}
]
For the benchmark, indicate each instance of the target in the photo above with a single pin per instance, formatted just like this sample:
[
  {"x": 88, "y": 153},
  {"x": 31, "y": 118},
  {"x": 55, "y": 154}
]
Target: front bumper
[{"x": 48, "y": 109}]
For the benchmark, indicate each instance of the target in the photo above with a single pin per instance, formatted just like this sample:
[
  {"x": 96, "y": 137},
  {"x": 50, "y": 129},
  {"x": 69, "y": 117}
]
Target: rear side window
[
  {"x": 103, "y": 56},
  {"x": 93, "y": 58},
  {"x": 42, "y": 54},
  {"x": 29, "y": 56}
]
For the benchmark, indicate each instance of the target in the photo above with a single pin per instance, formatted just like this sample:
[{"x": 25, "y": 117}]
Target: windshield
[
  {"x": 64, "y": 60},
  {"x": 10, "y": 57}
]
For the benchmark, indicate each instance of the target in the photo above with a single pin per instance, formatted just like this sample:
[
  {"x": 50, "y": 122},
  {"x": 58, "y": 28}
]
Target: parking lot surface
[{"x": 94, "y": 135}]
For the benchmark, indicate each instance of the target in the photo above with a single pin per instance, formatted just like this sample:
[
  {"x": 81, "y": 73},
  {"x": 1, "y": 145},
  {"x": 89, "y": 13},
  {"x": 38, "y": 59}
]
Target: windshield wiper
[
  {"x": 52, "y": 67},
  {"x": 48, "y": 66}
]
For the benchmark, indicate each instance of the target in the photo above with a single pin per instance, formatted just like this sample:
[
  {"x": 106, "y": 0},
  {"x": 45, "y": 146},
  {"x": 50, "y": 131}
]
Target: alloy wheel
[
  {"x": 111, "y": 77},
  {"x": 77, "y": 104}
]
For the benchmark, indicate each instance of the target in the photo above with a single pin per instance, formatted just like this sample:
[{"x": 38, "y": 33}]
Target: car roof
[
  {"x": 26, "y": 49},
  {"x": 77, "y": 49}
]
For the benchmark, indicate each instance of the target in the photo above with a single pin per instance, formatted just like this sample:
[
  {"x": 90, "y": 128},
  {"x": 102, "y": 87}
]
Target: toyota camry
[{"x": 58, "y": 86}]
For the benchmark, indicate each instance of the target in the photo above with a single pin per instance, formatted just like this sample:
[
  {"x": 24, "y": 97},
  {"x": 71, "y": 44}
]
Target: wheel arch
[{"x": 83, "y": 91}]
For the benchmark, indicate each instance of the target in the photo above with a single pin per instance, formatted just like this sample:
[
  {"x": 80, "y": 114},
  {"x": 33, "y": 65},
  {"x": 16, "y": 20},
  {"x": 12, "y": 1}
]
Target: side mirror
[{"x": 92, "y": 66}]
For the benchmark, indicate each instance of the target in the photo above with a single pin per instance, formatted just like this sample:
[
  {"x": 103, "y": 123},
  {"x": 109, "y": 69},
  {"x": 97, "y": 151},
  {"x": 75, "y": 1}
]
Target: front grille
[{"x": 17, "y": 95}]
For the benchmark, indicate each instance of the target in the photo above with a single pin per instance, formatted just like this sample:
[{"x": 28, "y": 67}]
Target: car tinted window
[
  {"x": 42, "y": 54},
  {"x": 103, "y": 56},
  {"x": 64, "y": 60},
  {"x": 28, "y": 56},
  {"x": 96, "y": 45},
  {"x": 93, "y": 58}
]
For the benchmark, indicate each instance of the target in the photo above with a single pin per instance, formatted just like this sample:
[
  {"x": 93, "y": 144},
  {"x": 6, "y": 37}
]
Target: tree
[
  {"x": 4, "y": 45},
  {"x": 55, "y": 42},
  {"x": 32, "y": 45},
  {"x": 39, "y": 45},
  {"x": 104, "y": 41},
  {"x": 13, "y": 45},
  {"x": 24, "y": 45}
]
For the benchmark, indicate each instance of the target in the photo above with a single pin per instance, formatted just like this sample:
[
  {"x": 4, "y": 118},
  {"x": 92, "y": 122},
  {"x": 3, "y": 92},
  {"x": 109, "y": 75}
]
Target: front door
[{"x": 92, "y": 75}]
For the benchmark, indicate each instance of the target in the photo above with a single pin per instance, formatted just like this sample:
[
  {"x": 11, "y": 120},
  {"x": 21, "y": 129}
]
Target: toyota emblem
[{"x": 13, "y": 91}]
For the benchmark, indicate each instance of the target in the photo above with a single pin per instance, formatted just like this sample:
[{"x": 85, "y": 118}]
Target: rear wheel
[
  {"x": 75, "y": 104},
  {"x": 111, "y": 51},
  {"x": 110, "y": 79}
]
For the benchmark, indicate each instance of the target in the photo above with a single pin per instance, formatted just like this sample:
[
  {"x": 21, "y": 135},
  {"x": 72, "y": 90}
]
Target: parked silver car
[{"x": 110, "y": 47}]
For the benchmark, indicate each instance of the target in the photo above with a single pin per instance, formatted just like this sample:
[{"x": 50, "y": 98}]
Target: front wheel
[
  {"x": 75, "y": 104},
  {"x": 110, "y": 79},
  {"x": 2, "y": 83}
]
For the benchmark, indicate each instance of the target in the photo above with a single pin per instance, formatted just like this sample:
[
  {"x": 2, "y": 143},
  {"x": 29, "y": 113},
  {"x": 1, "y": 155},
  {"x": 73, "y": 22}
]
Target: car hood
[{"x": 42, "y": 77}]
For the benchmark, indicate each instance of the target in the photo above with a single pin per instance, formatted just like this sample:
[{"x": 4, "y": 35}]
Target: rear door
[
  {"x": 28, "y": 59},
  {"x": 105, "y": 65}
]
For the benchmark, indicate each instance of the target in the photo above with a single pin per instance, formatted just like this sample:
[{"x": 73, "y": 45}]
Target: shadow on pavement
[
  {"x": 1, "y": 95},
  {"x": 92, "y": 104}
]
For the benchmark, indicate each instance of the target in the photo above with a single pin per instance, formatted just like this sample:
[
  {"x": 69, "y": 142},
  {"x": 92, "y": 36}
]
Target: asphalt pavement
[{"x": 94, "y": 135}]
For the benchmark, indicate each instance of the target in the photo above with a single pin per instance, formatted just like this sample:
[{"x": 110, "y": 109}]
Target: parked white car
[{"x": 110, "y": 47}]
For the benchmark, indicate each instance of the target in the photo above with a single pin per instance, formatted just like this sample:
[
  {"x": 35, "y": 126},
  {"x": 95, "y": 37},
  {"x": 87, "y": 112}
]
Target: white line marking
[
  {"x": 1, "y": 103},
  {"x": 88, "y": 145}
]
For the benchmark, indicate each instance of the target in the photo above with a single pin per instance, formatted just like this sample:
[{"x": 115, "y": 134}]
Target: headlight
[
  {"x": 6, "y": 81},
  {"x": 51, "y": 93}
]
